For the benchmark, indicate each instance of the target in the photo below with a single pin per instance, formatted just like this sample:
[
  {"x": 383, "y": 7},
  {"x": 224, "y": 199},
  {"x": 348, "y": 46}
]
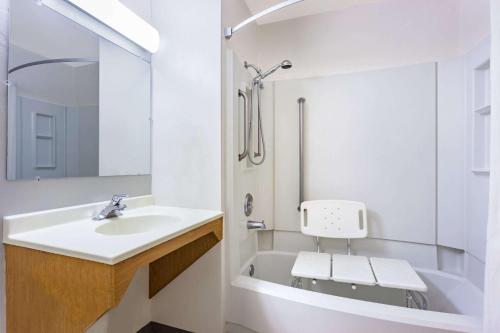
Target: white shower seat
[
  {"x": 352, "y": 269},
  {"x": 395, "y": 273},
  {"x": 347, "y": 219},
  {"x": 388, "y": 273},
  {"x": 312, "y": 265}
]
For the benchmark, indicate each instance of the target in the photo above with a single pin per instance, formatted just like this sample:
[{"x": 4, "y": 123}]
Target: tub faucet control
[{"x": 256, "y": 225}]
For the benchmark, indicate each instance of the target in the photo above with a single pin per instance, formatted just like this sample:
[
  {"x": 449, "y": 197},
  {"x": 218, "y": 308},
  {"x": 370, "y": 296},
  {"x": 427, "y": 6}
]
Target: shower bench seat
[
  {"x": 384, "y": 272},
  {"x": 348, "y": 219}
]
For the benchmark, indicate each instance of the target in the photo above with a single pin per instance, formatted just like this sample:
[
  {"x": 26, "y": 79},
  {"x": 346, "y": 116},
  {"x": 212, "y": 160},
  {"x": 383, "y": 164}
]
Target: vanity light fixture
[{"x": 112, "y": 14}]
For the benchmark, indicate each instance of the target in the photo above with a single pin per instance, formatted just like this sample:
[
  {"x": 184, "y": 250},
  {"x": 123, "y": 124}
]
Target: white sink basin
[
  {"x": 135, "y": 224},
  {"x": 72, "y": 232}
]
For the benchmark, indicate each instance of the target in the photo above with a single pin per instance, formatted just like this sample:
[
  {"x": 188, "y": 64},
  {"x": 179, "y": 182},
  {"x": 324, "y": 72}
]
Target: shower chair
[{"x": 348, "y": 220}]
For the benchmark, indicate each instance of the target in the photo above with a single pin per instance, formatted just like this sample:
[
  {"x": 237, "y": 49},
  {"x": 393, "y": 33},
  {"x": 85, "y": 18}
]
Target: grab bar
[
  {"x": 301, "y": 102},
  {"x": 242, "y": 94}
]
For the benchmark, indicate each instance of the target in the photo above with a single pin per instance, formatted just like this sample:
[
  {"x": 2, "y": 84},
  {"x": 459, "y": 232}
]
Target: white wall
[
  {"x": 187, "y": 153},
  {"x": 365, "y": 37},
  {"x": 474, "y": 23},
  {"x": 186, "y": 107},
  {"x": 246, "y": 41},
  {"x": 372, "y": 36}
]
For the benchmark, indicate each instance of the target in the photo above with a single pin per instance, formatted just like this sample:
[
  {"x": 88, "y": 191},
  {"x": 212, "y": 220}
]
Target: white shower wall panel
[{"x": 369, "y": 137}]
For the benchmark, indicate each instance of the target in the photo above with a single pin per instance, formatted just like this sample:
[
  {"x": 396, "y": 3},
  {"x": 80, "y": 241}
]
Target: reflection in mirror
[{"x": 72, "y": 109}]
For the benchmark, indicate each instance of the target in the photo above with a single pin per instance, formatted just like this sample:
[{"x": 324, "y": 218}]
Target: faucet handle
[{"x": 117, "y": 198}]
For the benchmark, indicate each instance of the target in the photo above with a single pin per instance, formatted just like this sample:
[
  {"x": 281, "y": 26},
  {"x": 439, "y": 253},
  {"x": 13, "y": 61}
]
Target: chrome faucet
[
  {"x": 256, "y": 225},
  {"x": 113, "y": 209}
]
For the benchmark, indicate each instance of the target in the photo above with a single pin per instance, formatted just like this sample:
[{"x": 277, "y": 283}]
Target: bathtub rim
[{"x": 393, "y": 313}]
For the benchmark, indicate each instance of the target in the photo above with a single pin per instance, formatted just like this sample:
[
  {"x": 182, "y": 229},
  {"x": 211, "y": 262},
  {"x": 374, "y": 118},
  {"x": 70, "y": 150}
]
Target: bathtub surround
[
  {"x": 442, "y": 227},
  {"x": 440, "y": 121},
  {"x": 492, "y": 287},
  {"x": 351, "y": 151}
]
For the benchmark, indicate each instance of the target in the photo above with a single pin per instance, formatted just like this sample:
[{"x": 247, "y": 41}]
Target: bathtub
[{"x": 266, "y": 303}]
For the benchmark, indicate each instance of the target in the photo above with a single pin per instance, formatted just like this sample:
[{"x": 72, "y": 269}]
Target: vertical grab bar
[
  {"x": 301, "y": 102},
  {"x": 242, "y": 94}
]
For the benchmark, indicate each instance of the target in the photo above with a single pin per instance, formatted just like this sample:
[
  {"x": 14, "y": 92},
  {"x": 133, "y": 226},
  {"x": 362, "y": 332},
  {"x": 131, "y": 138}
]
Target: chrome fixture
[
  {"x": 297, "y": 282},
  {"x": 248, "y": 207},
  {"x": 251, "y": 270},
  {"x": 113, "y": 209},
  {"x": 301, "y": 102},
  {"x": 229, "y": 31},
  {"x": 243, "y": 95},
  {"x": 256, "y": 225},
  {"x": 285, "y": 64},
  {"x": 416, "y": 299},
  {"x": 257, "y": 86}
]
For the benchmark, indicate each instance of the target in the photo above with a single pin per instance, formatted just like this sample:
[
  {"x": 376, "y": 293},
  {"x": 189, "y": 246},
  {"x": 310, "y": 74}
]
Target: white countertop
[{"x": 72, "y": 232}]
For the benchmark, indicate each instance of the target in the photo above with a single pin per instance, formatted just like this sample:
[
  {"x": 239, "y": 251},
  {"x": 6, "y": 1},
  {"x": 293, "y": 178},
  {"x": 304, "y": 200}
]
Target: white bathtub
[{"x": 266, "y": 303}]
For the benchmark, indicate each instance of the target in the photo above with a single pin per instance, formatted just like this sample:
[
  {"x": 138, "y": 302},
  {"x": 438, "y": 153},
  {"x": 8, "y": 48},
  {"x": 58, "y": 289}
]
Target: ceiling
[{"x": 305, "y": 8}]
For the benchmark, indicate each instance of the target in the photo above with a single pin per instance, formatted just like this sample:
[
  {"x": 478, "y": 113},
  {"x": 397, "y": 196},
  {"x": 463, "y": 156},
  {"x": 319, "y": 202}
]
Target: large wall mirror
[{"x": 78, "y": 105}]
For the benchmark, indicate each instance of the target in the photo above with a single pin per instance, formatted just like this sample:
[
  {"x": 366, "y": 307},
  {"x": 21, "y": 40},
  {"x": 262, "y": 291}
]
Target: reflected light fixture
[{"x": 114, "y": 15}]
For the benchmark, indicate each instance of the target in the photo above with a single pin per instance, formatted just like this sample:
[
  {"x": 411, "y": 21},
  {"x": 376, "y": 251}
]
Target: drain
[{"x": 251, "y": 270}]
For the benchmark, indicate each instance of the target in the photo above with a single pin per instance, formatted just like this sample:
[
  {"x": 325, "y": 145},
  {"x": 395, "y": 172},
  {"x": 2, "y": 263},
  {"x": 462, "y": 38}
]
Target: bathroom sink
[
  {"x": 66, "y": 254},
  {"x": 135, "y": 224},
  {"x": 71, "y": 231}
]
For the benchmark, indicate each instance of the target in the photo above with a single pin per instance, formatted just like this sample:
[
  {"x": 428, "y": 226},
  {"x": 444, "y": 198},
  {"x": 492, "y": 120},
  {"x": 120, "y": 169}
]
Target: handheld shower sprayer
[
  {"x": 257, "y": 86},
  {"x": 285, "y": 64}
]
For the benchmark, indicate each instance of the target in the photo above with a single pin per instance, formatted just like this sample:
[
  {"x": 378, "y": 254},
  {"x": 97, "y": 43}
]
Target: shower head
[{"x": 285, "y": 64}]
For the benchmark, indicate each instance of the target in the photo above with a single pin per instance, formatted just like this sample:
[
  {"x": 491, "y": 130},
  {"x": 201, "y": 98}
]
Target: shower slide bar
[
  {"x": 243, "y": 95},
  {"x": 229, "y": 31}
]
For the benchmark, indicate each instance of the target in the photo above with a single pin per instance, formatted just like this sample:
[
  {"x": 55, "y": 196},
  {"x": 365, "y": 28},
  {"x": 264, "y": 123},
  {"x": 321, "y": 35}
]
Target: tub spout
[{"x": 256, "y": 225}]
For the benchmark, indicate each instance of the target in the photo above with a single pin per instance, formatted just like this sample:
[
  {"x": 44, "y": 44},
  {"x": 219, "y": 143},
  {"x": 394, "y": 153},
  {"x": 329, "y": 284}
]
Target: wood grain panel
[
  {"x": 126, "y": 269},
  {"x": 52, "y": 293},
  {"x": 44, "y": 288},
  {"x": 167, "y": 268}
]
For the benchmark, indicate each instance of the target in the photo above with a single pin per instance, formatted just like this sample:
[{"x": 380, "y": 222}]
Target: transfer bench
[{"x": 347, "y": 219}]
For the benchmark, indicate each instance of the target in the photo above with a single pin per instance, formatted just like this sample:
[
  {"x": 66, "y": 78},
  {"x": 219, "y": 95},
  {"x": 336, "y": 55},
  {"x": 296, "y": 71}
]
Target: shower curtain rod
[
  {"x": 229, "y": 31},
  {"x": 52, "y": 61}
]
